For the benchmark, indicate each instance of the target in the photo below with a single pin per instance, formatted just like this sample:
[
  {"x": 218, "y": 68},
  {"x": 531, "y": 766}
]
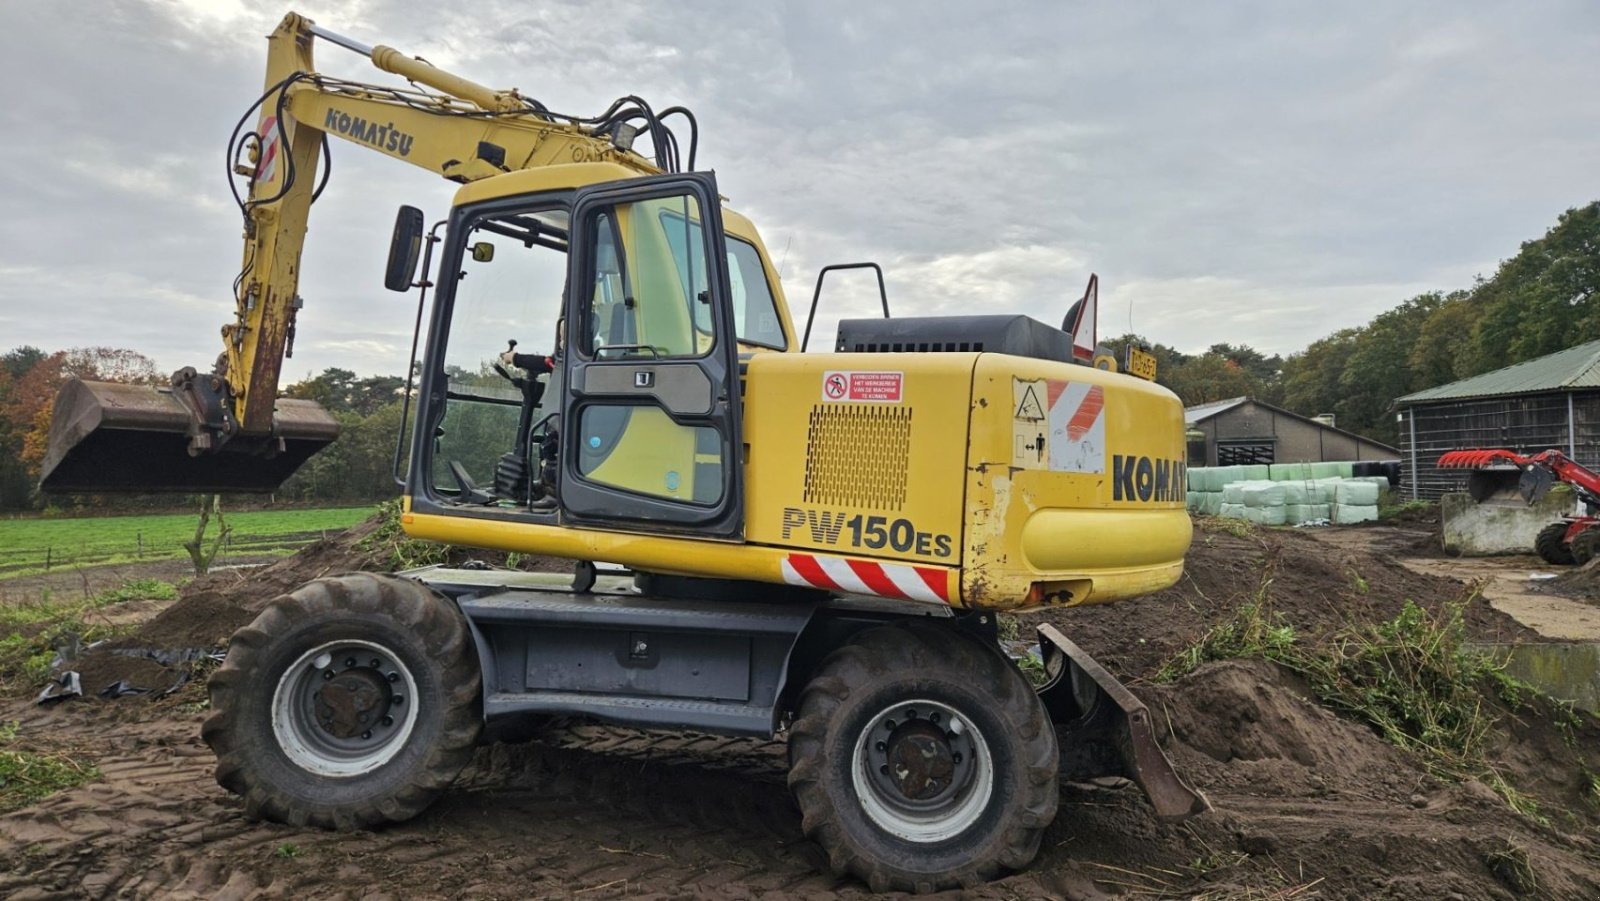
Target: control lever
[{"x": 519, "y": 381}]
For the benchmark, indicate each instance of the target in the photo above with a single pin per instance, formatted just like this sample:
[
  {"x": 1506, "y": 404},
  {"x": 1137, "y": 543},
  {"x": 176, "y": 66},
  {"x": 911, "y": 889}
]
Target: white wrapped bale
[
  {"x": 1356, "y": 493},
  {"x": 1263, "y": 494},
  {"x": 1233, "y": 493},
  {"x": 1257, "y": 472},
  {"x": 1349, "y": 514},
  {"x": 1288, "y": 472},
  {"x": 1300, "y": 492},
  {"x": 1197, "y": 478},
  {"x": 1381, "y": 481},
  {"x": 1232, "y": 511},
  {"x": 1211, "y": 503},
  {"x": 1295, "y": 514},
  {"x": 1266, "y": 516},
  {"x": 1326, "y": 489}
]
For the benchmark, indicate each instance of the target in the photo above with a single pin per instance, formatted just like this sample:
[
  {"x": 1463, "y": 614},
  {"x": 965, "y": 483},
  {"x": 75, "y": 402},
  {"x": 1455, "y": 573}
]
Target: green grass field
[{"x": 31, "y": 546}]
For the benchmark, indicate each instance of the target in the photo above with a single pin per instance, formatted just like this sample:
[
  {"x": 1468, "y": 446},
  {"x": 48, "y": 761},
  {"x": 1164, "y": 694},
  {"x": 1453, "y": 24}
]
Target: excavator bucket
[
  {"x": 107, "y": 437},
  {"x": 1105, "y": 731},
  {"x": 1498, "y": 475}
]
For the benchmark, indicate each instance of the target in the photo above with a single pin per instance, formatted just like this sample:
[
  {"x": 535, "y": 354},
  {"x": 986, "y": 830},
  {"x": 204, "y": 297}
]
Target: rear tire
[
  {"x": 922, "y": 760},
  {"x": 349, "y": 702},
  {"x": 1551, "y": 544},
  {"x": 1585, "y": 545}
]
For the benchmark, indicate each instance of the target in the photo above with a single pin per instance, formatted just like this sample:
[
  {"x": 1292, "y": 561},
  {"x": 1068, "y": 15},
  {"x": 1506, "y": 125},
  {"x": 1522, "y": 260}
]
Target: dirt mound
[
  {"x": 1315, "y": 585},
  {"x": 1582, "y": 583},
  {"x": 211, "y": 608},
  {"x": 1303, "y": 795}
]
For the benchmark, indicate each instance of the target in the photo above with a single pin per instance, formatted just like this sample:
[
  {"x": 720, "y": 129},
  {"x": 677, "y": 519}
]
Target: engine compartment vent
[
  {"x": 857, "y": 455},
  {"x": 1017, "y": 335}
]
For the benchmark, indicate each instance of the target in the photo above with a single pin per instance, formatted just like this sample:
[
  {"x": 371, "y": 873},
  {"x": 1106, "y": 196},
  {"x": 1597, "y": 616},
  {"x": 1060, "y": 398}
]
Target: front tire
[
  {"x": 349, "y": 702},
  {"x": 922, "y": 760},
  {"x": 1551, "y": 544},
  {"x": 1585, "y": 545}
]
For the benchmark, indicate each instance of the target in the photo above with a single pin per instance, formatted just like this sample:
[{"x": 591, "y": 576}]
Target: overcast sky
[{"x": 1260, "y": 173}]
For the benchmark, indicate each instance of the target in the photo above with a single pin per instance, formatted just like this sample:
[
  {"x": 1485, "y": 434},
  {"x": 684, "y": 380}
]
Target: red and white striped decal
[
  {"x": 1086, "y": 409},
  {"x": 1077, "y": 420},
  {"x": 889, "y": 580},
  {"x": 269, "y": 150}
]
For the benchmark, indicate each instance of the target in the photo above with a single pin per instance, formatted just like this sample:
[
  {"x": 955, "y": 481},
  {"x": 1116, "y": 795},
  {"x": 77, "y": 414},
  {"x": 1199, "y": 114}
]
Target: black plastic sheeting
[{"x": 69, "y": 684}]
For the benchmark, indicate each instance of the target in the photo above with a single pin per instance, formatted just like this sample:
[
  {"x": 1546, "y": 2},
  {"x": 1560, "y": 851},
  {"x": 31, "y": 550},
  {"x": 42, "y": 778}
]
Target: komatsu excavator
[{"x": 812, "y": 545}]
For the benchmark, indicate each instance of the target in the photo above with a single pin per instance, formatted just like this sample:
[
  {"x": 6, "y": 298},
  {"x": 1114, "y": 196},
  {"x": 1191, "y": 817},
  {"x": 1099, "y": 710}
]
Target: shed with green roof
[{"x": 1552, "y": 401}]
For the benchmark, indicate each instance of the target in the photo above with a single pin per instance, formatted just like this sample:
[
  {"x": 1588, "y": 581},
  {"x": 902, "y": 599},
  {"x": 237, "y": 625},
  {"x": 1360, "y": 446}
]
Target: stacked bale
[
  {"x": 1205, "y": 490},
  {"x": 1232, "y": 501},
  {"x": 1307, "y": 501},
  {"x": 1264, "y": 503},
  {"x": 1290, "y": 493},
  {"x": 1355, "y": 500}
]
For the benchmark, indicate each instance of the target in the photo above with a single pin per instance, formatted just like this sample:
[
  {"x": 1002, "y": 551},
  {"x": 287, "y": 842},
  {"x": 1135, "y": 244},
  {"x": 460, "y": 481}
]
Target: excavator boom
[{"x": 227, "y": 430}]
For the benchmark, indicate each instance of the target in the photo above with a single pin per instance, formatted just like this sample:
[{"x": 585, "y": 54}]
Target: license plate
[{"x": 1141, "y": 364}]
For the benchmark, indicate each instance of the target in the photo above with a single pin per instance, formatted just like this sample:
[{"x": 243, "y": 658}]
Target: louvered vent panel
[{"x": 857, "y": 455}]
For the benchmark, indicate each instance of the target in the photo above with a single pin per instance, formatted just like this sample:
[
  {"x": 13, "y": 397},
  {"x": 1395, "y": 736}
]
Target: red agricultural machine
[{"x": 1501, "y": 473}]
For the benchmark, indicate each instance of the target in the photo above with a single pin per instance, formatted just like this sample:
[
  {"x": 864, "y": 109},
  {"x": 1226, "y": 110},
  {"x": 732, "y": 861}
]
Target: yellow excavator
[{"x": 812, "y": 545}]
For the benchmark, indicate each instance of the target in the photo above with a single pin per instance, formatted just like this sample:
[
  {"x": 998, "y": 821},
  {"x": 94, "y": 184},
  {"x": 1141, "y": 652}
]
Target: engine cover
[{"x": 1020, "y": 336}]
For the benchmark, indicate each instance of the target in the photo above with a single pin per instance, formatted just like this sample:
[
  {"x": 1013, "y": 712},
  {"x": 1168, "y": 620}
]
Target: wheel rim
[
  {"x": 344, "y": 708},
  {"x": 922, "y": 771}
]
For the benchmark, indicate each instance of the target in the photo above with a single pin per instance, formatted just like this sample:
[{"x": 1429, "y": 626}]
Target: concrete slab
[{"x": 1498, "y": 526}]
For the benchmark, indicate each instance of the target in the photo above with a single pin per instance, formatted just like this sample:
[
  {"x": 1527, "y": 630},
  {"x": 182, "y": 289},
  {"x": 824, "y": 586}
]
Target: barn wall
[
  {"x": 1523, "y": 423},
  {"x": 1295, "y": 440}
]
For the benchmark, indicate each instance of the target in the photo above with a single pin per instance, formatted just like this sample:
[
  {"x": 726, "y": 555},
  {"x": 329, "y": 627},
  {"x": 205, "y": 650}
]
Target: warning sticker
[
  {"x": 1029, "y": 408},
  {"x": 869, "y": 387},
  {"x": 1059, "y": 425}
]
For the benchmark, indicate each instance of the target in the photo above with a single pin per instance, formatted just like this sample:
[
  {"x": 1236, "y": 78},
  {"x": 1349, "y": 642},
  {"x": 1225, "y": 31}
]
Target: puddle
[{"x": 1570, "y": 672}]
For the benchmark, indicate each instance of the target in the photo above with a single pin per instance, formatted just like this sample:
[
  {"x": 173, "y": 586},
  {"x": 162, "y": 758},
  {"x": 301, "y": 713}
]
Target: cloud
[{"x": 1253, "y": 172}]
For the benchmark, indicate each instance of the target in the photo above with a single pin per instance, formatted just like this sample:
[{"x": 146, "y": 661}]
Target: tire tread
[{"x": 440, "y": 629}]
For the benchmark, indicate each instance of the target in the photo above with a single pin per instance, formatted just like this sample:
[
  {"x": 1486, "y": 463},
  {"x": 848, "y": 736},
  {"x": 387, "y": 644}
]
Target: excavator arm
[{"x": 227, "y": 430}]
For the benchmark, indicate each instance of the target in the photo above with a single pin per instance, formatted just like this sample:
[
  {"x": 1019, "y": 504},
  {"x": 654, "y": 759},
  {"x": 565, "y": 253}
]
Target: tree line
[{"x": 1543, "y": 299}]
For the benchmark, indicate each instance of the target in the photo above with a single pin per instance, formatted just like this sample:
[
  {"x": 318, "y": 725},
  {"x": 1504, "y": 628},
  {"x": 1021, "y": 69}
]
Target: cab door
[{"x": 650, "y": 432}]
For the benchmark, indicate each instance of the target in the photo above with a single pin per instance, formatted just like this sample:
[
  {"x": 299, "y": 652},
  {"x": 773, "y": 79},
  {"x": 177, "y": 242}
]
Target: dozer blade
[
  {"x": 1105, "y": 730},
  {"x": 107, "y": 437}
]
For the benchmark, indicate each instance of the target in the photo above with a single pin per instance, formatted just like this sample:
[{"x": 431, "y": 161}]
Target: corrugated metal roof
[
  {"x": 1575, "y": 367},
  {"x": 1202, "y": 412}
]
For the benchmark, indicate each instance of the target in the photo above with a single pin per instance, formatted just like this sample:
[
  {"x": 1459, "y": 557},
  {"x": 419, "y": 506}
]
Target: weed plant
[
  {"x": 1413, "y": 679},
  {"x": 26, "y": 777},
  {"x": 398, "y": 551}
]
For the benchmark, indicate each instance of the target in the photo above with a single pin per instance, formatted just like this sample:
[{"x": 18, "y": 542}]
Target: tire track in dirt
[{"x": 680, "y": 816}]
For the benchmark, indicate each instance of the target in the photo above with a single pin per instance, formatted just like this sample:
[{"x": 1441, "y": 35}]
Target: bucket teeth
[{"x": 1473, "y": 459}]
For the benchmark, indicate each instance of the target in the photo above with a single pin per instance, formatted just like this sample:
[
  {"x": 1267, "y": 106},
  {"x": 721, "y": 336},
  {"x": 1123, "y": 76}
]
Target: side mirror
[{"x": 404, "y": 249}]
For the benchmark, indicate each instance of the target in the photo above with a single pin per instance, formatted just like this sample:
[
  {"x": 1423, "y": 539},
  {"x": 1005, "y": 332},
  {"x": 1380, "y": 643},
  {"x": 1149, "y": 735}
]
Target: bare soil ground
[{"x": 1307, "y": 803}]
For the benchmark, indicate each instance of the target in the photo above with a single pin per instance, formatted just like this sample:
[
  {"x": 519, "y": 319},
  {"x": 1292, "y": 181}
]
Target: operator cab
[{"x": 632, "y": 416}]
